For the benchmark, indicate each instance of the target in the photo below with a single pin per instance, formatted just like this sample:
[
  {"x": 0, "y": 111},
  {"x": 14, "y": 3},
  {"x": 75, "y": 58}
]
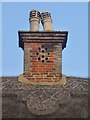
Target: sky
[
  {"x": 71, "y": 17},
  {"x": 45, "y": 1}
]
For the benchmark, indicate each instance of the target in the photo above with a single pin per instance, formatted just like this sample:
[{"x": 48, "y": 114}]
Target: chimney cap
[
  {"x": 45, "y": 14},
  {"x": 34, "y": 14}
]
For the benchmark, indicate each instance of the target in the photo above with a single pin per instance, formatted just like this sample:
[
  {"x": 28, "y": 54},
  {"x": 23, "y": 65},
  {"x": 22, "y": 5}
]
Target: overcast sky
[{"x": 72, "y": 17}]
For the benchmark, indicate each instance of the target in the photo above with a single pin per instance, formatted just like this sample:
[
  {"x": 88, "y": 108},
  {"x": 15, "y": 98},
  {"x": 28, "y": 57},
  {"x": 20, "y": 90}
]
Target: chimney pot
[
  {"x": 46, "y": 21},
  {"x": 34, "y": 20}
]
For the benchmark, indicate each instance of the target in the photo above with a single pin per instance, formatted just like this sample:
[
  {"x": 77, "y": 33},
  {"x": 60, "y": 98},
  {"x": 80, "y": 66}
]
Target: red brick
[
  {"x": 35, "y": 73},
  {"x": 34, "y": 58}
]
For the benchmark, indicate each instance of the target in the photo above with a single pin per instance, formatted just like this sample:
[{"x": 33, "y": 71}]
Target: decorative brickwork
[{"x": 42, "y": 61}]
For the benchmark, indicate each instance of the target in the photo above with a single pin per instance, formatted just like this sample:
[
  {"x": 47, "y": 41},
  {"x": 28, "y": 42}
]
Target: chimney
[
  {"x": 42, "y": 50},
  {"x": 46, "y": 21},
  {"x": 34, "y": 20}
]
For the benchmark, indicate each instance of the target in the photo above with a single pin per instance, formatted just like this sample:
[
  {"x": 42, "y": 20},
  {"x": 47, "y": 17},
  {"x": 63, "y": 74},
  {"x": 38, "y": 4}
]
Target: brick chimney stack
[
  {"x": 46, "y": 21},
  {"x": 42, "y": 49},
  {"x": 34, "y": 20}
]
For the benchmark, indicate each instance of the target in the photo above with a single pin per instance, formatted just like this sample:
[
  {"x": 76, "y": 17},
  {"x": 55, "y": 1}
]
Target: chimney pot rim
[{"x": 34, "y": 10}]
